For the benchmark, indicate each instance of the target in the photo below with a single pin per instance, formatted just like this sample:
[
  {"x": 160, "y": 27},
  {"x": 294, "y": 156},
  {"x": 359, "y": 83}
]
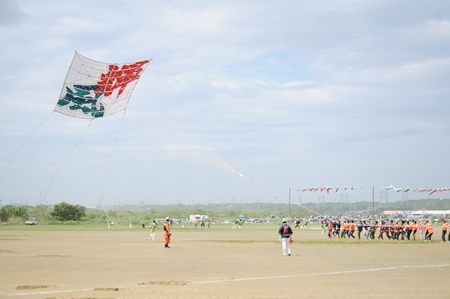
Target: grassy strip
[{"x": 86, "y": 226}]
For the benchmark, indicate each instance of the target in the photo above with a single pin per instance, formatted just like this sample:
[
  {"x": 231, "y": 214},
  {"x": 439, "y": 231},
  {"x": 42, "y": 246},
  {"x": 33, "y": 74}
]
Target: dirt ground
[{"x": 206, "y": 263}]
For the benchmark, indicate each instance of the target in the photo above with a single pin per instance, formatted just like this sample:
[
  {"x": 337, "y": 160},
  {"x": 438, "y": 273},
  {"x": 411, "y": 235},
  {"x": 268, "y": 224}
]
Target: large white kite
[{"x": 94, "y": 89}]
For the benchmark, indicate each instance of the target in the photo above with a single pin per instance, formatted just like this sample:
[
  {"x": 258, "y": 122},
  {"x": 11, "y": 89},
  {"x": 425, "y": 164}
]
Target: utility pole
[
  {"x": 373, "y": 201},
  {"x": 289, "y": 203}
]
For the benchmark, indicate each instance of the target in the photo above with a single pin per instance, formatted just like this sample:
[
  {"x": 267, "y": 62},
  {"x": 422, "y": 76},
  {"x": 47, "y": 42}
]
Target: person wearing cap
[
  {"x": 429, "y": 231},
  {"x": 284, "y": 234},
  {"x": 167, "y": 232}
]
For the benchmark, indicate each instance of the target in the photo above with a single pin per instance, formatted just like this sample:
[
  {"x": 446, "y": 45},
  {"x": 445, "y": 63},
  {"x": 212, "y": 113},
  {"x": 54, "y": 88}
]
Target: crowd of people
[
  {"x": 393, "y": 230},
  {"x": 341, "y": 229}
]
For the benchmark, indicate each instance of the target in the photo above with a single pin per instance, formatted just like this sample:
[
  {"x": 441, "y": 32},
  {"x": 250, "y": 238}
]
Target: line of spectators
[{"x": 398, "y": 230}]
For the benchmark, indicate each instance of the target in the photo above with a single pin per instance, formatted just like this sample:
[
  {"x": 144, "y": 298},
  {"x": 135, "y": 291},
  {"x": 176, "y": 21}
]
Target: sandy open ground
[{"x": 206, "y": 263}]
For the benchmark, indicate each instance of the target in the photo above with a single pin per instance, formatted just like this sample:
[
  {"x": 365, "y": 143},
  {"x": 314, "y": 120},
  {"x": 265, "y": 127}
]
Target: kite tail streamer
[
  {"x": 60, "y": 167},
  {"x": 281, "y": 195},
  {"x": 20, "y": 148}
]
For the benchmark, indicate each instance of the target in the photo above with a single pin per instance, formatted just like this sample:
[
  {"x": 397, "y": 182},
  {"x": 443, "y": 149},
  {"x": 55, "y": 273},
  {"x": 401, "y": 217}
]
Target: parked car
[{"x": 31, "y": 221}]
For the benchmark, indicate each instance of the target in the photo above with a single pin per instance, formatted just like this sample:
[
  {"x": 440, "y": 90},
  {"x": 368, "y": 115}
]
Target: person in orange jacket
[
  {"x": 444, "y": 228},
  {"x": 330, "y": 228},
  {"x": 167, "y": 233},
  {"x": 429, "y": 231},
  {"x": 352, "y": 228},
  {"x": 345, "y": 229},
  {"x": 414, "y": 229},
  {"x": 409, "y": 229}
]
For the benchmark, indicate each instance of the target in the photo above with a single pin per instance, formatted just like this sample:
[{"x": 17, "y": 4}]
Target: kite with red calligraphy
[{"x": 94, "y": 89}]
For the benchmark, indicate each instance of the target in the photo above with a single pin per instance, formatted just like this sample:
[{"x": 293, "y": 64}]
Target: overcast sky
[{"x": 289, "y": 95}]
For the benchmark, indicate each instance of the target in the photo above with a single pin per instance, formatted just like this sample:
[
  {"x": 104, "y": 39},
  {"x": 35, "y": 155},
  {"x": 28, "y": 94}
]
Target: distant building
[
  {"x": 416, "y": 214},
  {"x": 197, "y": 217}
]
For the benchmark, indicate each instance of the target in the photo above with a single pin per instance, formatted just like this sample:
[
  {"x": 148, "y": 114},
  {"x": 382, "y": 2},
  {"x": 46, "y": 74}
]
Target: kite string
[
  {"x": 198, "y": 151},
  {"x": 107, "y": 165},
  {"x": 20, "y": 148},
  {"x": 179, "y": 137},
  {"x": 70, "y": 153}
]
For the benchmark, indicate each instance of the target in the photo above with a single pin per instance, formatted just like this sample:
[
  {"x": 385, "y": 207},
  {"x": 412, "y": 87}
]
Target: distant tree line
[
  {"x": 61, "y": 212},
  {"x": 65, "y": 212}
]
